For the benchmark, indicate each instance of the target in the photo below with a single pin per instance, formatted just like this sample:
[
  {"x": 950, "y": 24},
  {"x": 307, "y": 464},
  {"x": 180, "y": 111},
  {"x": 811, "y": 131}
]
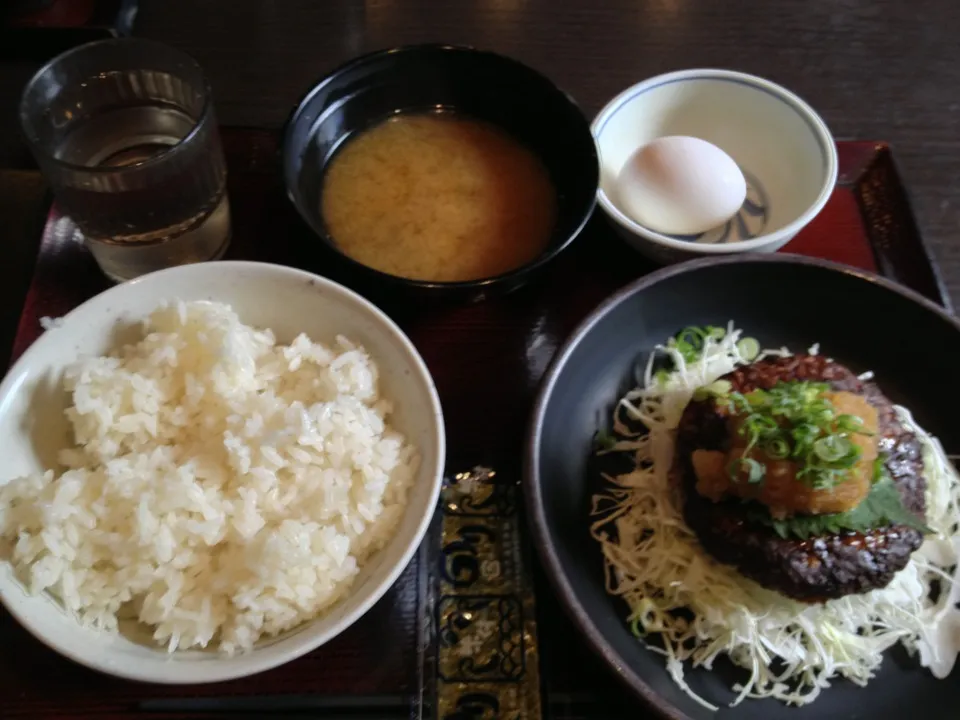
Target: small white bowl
[
  {"x": 32, "y": 429},
  {"x": 782, "y": 146}
]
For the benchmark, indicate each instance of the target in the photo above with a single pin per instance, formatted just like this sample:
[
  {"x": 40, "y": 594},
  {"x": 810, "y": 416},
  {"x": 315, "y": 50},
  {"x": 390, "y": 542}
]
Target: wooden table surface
[{"x": 874, "y": 69}]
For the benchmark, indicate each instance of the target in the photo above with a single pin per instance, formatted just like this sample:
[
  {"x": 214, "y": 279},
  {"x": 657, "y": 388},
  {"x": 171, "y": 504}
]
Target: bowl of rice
[{"x": 212, "y": 470}]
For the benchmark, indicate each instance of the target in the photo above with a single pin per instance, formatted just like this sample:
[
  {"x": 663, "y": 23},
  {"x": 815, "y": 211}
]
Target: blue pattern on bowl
[{"x": 749, "y": 222}]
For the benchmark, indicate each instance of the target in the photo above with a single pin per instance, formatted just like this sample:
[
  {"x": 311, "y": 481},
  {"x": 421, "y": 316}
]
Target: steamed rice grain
[{"x": 221, "y": 487}]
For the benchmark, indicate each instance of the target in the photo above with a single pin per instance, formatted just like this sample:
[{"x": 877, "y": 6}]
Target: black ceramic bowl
[
  {"x": 481, "y": 85},
  {"x": 863, "y": 321}
]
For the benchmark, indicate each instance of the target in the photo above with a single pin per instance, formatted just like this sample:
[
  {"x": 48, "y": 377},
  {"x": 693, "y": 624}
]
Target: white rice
[{"x": 221, "y": 487}]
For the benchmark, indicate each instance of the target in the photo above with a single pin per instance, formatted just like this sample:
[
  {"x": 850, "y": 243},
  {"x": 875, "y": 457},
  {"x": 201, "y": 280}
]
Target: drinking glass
[{"x": 125, "y": 133}]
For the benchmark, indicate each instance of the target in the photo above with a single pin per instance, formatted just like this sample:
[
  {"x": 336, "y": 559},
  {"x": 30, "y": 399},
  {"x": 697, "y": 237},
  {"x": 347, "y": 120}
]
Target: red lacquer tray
[{"x": 487, "y": 359}]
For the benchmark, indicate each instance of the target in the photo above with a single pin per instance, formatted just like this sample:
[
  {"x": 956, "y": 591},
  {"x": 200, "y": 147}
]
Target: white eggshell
[{"x": 680, "y": 185}]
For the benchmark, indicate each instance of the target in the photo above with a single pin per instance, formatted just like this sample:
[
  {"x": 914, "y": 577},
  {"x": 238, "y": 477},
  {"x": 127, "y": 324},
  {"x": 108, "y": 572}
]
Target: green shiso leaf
[{"x": 883, "y": 506}]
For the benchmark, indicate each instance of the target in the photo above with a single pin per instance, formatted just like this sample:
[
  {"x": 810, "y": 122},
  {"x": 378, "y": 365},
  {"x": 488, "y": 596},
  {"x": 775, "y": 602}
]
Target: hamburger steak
[{"x": 822, "y": 567}]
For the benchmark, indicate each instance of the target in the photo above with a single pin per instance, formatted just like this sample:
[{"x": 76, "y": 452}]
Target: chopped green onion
[
  {"x": 832, "y": 448},
  {"x": 738, "y": 403},
  {"x": 822, "y": 478},
  {"x": 755, "y": 470},
  {"x": 603, "y": 440},
  {"x": 847, "y": 461},
  {"x": 721, "y": 387},
  {"x": 803, "y": 435},
  {"x": 777, "y": 448},
  {"x": 748, "y": 348},
  {"x": 880, "y": 468},
  {"x": 822, "y": 416},
  {"x": 851, "y": 424},
  {"x": 718, "y": 388},
  {"x": 762, "y": 424},
  {"x": 757, "y": 426},
  {"x": 796, "y": 420},
  {"x": 690, "y": 341}
]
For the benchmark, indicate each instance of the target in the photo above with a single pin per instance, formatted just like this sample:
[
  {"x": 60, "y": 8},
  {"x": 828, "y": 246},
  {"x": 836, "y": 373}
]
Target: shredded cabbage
[{"x": 655, "y": 563}]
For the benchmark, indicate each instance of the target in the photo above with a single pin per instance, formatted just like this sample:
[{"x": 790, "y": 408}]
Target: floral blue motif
[{"x": 749, "y": 222}]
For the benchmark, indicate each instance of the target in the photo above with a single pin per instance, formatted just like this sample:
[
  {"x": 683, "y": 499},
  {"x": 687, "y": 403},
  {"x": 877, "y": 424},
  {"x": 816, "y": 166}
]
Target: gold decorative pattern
[{"x": 486, "y": 663}]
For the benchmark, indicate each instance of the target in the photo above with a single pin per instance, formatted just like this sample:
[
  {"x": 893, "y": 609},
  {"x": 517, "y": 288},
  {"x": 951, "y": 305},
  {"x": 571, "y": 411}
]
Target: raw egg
[{"x": 680, "y": 185}]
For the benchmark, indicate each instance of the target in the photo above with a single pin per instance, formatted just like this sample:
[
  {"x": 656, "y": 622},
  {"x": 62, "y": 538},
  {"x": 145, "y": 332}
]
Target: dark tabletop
[{"x": 875, "y": 69}]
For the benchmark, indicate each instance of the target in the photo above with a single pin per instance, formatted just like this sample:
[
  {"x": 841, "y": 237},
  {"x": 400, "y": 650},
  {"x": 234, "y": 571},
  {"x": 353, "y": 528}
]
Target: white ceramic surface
[
  {"x": 782, "y": 146},
  {"x": 32, "y": 429}
]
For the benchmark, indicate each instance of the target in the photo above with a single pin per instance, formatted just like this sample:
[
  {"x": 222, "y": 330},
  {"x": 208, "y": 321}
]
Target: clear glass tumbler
[{"x": 125, "y": 133}]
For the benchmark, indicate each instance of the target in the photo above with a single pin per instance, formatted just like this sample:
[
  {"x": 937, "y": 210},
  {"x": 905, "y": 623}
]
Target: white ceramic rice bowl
[{"x": 288, "y": 301}]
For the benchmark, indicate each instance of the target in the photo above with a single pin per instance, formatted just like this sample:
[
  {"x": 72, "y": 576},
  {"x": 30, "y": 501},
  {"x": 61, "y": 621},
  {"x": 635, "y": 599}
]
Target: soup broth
[{"x": 438, "y": 197}]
